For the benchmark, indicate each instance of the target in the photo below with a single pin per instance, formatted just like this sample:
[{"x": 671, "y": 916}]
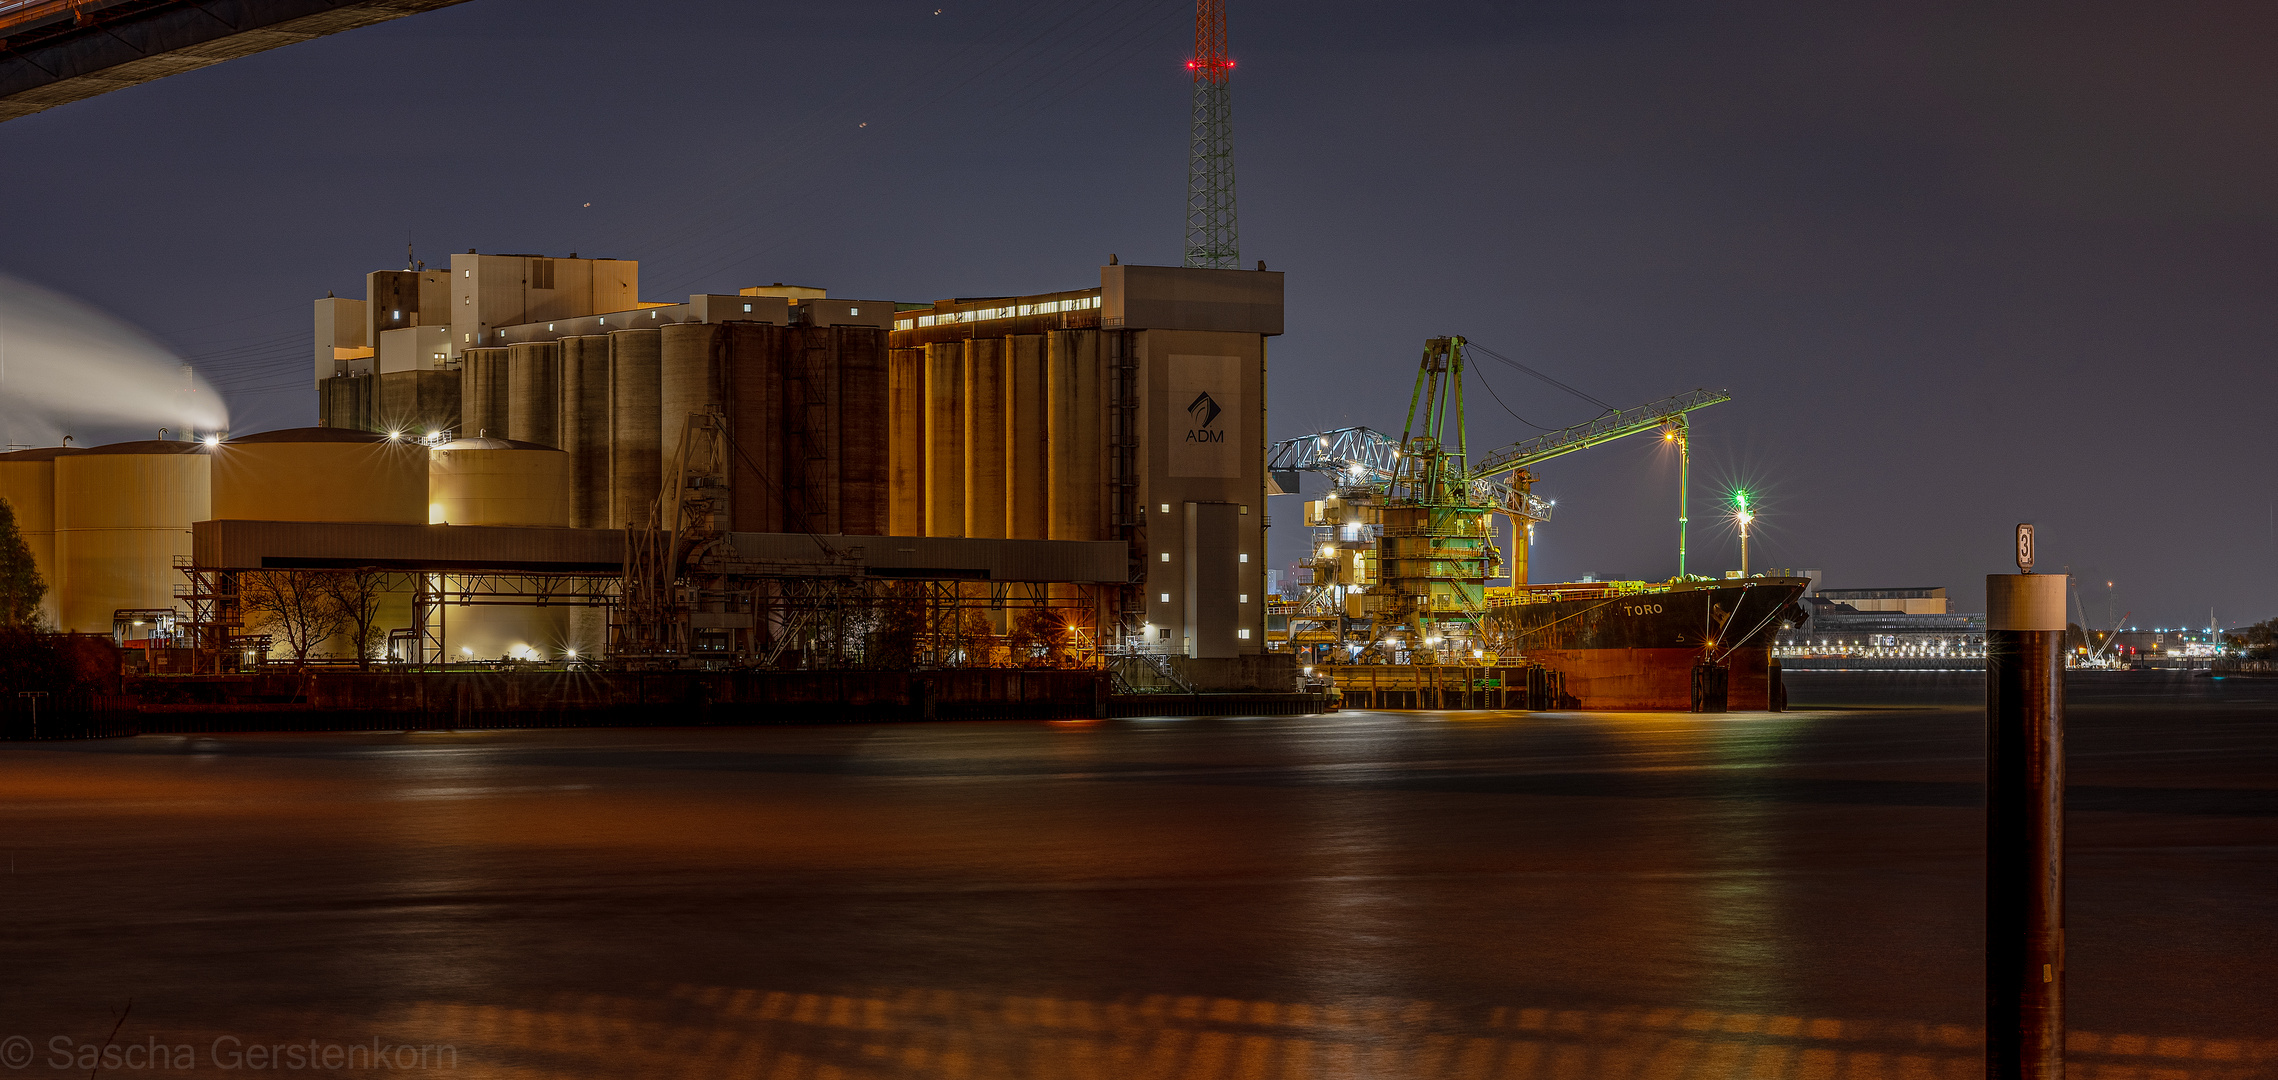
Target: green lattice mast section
[{"x": 1212, "y": 237}]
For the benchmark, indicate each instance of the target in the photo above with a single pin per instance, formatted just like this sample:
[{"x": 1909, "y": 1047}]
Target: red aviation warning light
[{"x": 1212, "y": 237}]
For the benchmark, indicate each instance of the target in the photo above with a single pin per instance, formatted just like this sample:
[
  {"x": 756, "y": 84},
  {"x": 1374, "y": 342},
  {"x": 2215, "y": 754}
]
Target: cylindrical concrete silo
[
  {"x": 500, "y": 482},
  {"x": 690, "y": 377},
  {"x": 27, "y": 484},
  {"x": 905, "y": 446},
  {"x": 483, "y": 393},
  {"x": 1028, "y": 441},
  {"x": 585, "y": 428},
  {"x": 1078, "y": 422},
  {"x": 985, "y": 438},
  {"x": 533, "y": 393},
  {"x": 122, "y": 515},
  {"x": 634, "y": 426},
  {"x": 862, "y": 420},
  {"x": 945, "y": 439},
  {"x": 754, "y": 373},
  {"x": 320, "y": 474}
]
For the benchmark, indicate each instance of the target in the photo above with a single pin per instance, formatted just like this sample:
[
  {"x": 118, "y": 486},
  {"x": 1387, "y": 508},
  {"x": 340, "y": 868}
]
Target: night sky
[{"x": 1960, "y": 265}]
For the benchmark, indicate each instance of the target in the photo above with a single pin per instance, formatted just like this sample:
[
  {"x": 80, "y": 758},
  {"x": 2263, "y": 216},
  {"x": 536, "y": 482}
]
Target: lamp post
[{"x": 1745, "y": 517}]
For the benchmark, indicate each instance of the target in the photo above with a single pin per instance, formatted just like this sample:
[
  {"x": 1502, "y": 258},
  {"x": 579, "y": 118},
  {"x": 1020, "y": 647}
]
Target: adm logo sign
[
  {"x": 1201, "y": 415},
  {"x": 1204, "y": 423}
]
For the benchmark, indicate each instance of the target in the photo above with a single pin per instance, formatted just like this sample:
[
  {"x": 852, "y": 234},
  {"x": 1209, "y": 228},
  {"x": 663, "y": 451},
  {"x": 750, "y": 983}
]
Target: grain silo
[
  {"x": 985, "y": 438},
  {"x": 585, "y": 428},
  {"x": 1028, "y": 447},
  {"x": 122, "y": 517},
  {"x": 905, "y": 442},
  {"x": 27, "y": 482},
  {"x": 533, "y": 393},
  {"x": 755, "y": 425},
  {"x": 945, "y": 438},
  {"x": 859, "y": 483},
  {"x": 483, "y": 393},
  {"x": 691, "y": 372},
  {"x": 635, "y": 417},
  {"x": 320, "y": 474},
  {"x": 1078, "y": 436}
]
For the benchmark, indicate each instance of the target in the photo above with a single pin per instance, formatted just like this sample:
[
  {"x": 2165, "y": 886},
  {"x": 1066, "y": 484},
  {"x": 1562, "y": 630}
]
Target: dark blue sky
[{"x": 1960, "y": 264}]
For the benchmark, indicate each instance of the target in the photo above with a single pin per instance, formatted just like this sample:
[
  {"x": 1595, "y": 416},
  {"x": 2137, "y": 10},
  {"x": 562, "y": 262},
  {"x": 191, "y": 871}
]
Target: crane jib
[{"x": 1603, "y": 429}]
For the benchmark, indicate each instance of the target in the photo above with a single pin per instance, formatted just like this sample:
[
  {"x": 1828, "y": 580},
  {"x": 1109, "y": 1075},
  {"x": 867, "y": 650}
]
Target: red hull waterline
[
  {"x": 1635, "y": 646},
  {"x": 1619, "y": 679}
]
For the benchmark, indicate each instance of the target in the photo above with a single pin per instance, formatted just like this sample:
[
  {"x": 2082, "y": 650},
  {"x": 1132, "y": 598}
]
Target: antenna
[
  {"x": 410, "y": 261},
  {"x": 1212, "y": 237}
]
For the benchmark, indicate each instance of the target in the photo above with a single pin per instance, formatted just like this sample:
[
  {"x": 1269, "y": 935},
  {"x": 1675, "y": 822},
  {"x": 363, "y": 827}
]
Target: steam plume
[{"x": 67, "y": 367}]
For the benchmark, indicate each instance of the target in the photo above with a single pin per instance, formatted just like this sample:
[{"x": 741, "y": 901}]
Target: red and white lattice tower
[{"x": 1212, "y": 237}]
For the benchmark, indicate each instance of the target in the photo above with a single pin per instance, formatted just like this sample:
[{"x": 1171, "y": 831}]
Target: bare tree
[
  {"x": 294, "y": 605},
  {"x": 357, "y": 595}
]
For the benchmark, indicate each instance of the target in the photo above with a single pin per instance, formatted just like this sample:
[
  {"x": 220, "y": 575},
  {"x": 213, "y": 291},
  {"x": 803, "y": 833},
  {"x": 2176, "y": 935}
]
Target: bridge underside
[{"x": 57, "y": 51}]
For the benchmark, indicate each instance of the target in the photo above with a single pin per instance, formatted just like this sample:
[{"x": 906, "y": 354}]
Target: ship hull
[{"x": 1638, "y": 650}]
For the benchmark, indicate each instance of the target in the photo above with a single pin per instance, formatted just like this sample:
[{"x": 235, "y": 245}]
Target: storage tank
[
  {"x": 122, "y": 516},
  {"x": 320, "y": 474},
  {"x": 985, "y": 438},
  {"x": 501, "y": 482},
  {"x": 1028, "y": 440},
  {"x": 27, "y": 482},
  {"x": 905, "y": 442},
  {"x": 1078, "y": 423},
  {"x": 945, "y": 439},
  {"x": 533, "y": 394},
  {"x": 634, "y": 419},
  {"x": 585, "y": 428},
  {"x": 483, "y": 393},
  {"x": 498, "y": 482},
  {"x": 862, "y": 419}
]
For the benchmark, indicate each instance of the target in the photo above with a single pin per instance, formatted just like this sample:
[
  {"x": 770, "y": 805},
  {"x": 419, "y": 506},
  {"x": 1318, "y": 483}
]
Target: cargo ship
[{"x": 1637, "y": 645}]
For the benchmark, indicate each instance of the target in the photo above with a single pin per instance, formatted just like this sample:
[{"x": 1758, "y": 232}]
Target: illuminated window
[
  {"x": 1166, "y": 556},
  {"x": 854, "y": 311},
  {"x": 1166, "y": 598},
  {"x": 1244, "y": 633},
  {"x": 1245, "y": 598},
  {"x": 747, "y": 307},
  {"x": 1245, "y": 556}
]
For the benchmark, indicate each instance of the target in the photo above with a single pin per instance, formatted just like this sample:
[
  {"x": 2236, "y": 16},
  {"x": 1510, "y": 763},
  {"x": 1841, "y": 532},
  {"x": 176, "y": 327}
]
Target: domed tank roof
[
  {"x": 148, "y": 446},
  {"x": 42, "y": 453},
  {"x": 311, "y": 435},
  {"x": 486, "y": 443}
]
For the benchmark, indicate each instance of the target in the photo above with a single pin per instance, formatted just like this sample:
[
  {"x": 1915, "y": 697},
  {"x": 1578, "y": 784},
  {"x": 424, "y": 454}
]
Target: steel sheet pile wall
[
  {"x": 533, "y": 394},
  {"x": 585, "y": 428},
  {"x": 635, "y": 419},
  {"x": 905, "y": 442},
  {"x": 1028, "y": 446},
  {"x": 483, "y": 394}
]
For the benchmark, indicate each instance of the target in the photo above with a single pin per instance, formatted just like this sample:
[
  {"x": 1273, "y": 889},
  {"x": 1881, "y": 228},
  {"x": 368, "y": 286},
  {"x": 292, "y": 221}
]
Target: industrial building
[
  {"x": 1903, "y": 624},
  {"x": 549, "y": 465}
]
